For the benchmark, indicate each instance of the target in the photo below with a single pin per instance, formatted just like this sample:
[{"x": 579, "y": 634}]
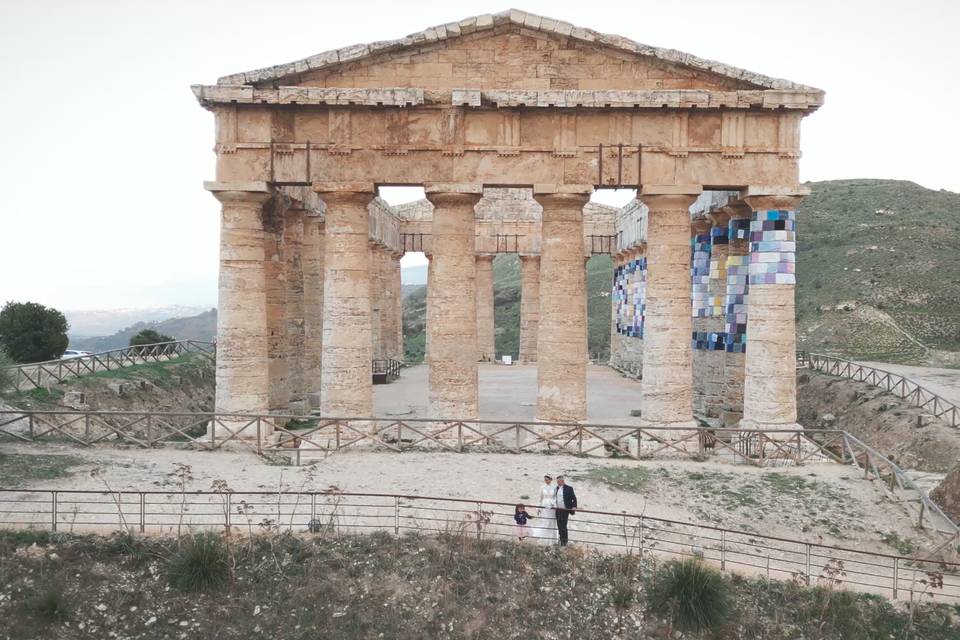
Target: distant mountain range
[
  {"x": 86, "y": 324},
  {"x": 198, "y": 327}
]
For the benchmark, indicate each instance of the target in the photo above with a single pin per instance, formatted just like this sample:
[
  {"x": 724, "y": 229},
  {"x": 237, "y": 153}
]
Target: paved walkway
[
  {"x": 943, "y": 382},
  {"x": 510, "y": 393}
]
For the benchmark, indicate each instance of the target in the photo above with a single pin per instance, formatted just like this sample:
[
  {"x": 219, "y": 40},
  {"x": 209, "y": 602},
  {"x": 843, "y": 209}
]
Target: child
[{"x": 521, "y": 516}]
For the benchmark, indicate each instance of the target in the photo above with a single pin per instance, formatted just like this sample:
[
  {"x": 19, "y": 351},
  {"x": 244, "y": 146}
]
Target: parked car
[{"x": 69, "y": 354}]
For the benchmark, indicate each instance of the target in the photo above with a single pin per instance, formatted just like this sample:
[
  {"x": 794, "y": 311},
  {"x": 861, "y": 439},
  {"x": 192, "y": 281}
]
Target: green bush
[
  {"x": 31, "y": 332},
  {"x": 694, "y": 595},
  {"x": 201, "y": 562},
  {"x": 48, "y": 604},
  {"x": 6, "y": 374},
  {"x": 149, "y": 336}
]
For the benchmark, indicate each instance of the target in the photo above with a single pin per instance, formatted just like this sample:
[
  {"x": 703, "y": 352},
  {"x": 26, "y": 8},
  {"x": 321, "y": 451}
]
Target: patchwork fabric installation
[
  {"x": 629, "y": 290},
  {"x": 700, "y": 276},
  {"x": 739, "y": 229},
  {"x": 709, "y": 340},
  {"x": 773, "y": 246},
  {"x": 735, "y": 305},
  {"x": 718, "y": 269}
]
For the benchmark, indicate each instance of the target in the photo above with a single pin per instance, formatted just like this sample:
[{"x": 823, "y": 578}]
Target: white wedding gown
[{"x": 546, "y": 529}]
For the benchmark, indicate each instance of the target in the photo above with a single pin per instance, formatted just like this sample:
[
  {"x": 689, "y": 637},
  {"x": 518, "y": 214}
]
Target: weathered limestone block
[
  {"x": 451, "y": 305},
  {"x": 529, "y": 307},
  {"x": 376, "y": 301},
  {"x": 486, "y": 347},
  {"x": 346, "y": 381},
  {"x": 562, "y": 331},
  {"x": 312, "y": 262},
  {"x": 667, "y": 386},
  {"x": 242, "y": 372},
  {"x": 395, "y": 277}
]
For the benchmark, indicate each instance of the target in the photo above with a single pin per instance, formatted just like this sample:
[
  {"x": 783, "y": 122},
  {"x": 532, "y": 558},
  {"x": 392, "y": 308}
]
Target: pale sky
[{"x": 105, "y": 149}]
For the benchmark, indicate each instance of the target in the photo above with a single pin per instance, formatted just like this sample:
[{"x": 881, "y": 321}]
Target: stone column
[
  {"x": 562, "y": 332},
  {"x": 667, "y": 386},
  {"x": 396, "y": 278},
  {"x": 292, "y": 251},
  {"x": 485, "y": 334},
  {"x": 770, "y": 377},
  {"x": 713, "y": 340},
  {"x": 451, "y": 303},
  {"x": 529, "y": 307},
  {"x": 735, "y": 312},
  {"x": 243, "y": 383},
  {"x": 346, "y": 380},
  {"x": 312, "y": 261},
  {"x": 700, "y": 301},
  {"x": 377, "y": 295}
]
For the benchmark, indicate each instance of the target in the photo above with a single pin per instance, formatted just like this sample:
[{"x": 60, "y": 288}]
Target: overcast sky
[{"x": 105, "y": 149}]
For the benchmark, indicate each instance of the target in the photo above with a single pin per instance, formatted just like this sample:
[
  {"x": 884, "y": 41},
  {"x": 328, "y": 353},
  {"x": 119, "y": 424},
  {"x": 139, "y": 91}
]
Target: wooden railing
[
  {"x": 333, "y": 513},
  {"x": 899, "y": 385},
  {"x": 43, "y": 374},
  {"x": 387, "y": 367},
  {"x": 300, "y": 438}
]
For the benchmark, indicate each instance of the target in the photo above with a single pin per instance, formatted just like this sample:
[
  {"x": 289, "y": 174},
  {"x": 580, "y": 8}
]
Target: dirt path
[
  {"x": 826, "y": 503},
  {"x": 943, "y": 382}
]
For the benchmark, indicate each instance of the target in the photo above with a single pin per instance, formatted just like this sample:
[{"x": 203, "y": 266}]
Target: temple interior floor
[{"x": 509, "y": 392}]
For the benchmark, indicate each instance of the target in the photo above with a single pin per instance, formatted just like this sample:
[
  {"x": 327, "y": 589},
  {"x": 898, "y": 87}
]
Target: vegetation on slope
[
  {"x": 452, "y": 586},
  {"x": 200, "y": 327}
]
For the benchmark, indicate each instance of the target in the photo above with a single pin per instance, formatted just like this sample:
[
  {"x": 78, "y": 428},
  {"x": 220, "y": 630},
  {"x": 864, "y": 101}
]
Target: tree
[
  {"x": 31, "y": 332},
  {"x": 6, "y": 374},
  {"x": 150, "y": 336}
]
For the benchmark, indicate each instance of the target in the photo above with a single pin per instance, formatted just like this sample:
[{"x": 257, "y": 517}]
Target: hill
[
  {"x": 200, "y": 327},
  {"x": 879, "y": 270}
]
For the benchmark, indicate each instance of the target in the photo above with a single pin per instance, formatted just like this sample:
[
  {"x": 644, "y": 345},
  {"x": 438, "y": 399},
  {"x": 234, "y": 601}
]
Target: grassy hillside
[{"x": 879, "y": 269}]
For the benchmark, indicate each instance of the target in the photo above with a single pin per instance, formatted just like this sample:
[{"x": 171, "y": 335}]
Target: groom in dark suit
[{"x": 566, "y": 505}]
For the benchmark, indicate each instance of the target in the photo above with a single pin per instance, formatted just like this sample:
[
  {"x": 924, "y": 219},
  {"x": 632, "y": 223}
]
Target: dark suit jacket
[{"x": 569, "y": 497}]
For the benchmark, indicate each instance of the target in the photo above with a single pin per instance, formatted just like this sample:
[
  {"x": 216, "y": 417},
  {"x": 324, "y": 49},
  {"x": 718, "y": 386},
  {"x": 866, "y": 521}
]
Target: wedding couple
[{"x": 557, "y": 502}]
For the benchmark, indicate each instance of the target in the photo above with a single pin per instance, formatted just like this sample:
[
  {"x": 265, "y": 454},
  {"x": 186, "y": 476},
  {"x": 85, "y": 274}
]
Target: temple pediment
[{"x": 511, "y": 51}]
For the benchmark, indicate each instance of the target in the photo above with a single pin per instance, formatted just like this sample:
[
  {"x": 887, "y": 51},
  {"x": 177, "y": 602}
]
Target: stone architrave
[
  {"x": 346, "y": 380},
  {"x": 667, "y": 385},
  {"x": 451, "y": 304},
  {"x": 770, "y": 377},
  {"x": 292, "y": 252},
  {"x": 562, "y": 330},
  {"x": 529, "y": 307},
  {"x": 312, "y": 260},
  {"x": 243, "y": 383},
  {"x": 485, "y": 326}
]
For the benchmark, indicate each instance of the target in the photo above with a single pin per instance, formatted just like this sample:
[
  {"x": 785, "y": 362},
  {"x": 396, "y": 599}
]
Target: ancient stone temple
[{"x": 509, "y": 122}]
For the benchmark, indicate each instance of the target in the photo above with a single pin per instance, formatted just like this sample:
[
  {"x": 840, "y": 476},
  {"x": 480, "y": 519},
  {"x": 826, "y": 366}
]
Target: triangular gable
[{"x": 702, "y": 72}]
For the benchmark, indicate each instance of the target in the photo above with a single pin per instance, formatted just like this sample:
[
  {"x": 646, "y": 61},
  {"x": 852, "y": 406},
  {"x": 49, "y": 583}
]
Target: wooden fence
[{"x": 44, "y": 374}]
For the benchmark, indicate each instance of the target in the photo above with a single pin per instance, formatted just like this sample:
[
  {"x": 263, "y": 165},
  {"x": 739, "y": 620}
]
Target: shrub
[
  {"x": 149, "y": 336},
  {"x": 31, "y": 332},
  {"x": 694, "y": 594},
  {"x": 48, "y": 604},
  {"x": 6, "y": 375},
  {"x": 200, "y": 563}
]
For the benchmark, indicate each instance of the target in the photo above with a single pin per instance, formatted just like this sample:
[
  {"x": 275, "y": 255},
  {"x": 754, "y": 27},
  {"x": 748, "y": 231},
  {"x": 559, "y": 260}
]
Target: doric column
[
  {"x": 529, "y": 307},
  {"x": 377, "y": 295},
  {"x": 485, "y": 334},
  {"x": 312, "y": 261},
  {"x": 667, "y": 385},
  {"x": 562, "y": 332},
  {"x": 770, "y": 378},
  {"x": 735, "y": 311},
  {"x": 396, "y": 278},
  {"x": 346, "y": 380},
  {"x": 243, "y": 383},
  {"x": 276, "y": 291},
  {"x": 292, "y": 251},
  {"x": 451, "y": 303},
  {"x": 703, "y": 340}
]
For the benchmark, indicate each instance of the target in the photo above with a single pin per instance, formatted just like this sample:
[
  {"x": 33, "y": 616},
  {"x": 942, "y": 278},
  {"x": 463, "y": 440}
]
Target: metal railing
[
  {"x": 899, "y": 385},
  {"x": 43, "y": 374},
  {"x": 336, "y": 513},
  {"x": 388, "y": 367}
]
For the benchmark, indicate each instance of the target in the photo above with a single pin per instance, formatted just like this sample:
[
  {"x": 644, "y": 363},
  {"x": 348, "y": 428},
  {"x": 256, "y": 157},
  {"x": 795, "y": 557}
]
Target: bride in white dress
[{"x": 546, "y": 529}]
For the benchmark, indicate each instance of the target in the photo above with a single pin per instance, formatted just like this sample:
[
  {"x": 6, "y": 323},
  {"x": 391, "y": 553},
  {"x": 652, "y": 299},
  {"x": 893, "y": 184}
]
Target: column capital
[
  {"x": 737, "y": 210},
  {"x": 669, "y": 197},
  {"x": 452, "y": 195},
  {"x": 485, "y": 256},
  {"x": 700, "y": 225},
  {"x": 529, "y": 256},
  {"x": 773, "y": 197},
  {"x": 670, "y": 190},
  {"x": 452, "y": 187}
]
